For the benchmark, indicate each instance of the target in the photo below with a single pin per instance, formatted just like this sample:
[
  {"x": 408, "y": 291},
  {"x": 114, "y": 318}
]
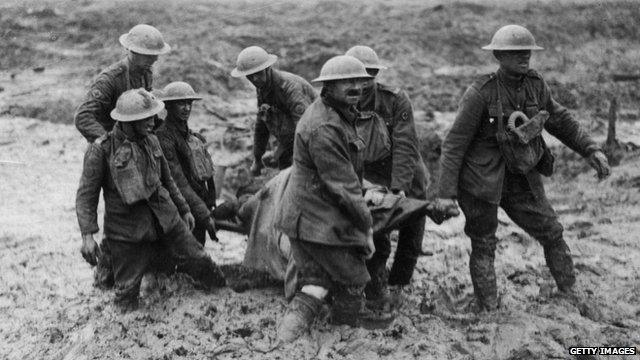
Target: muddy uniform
[
  {"x": 474, "y": 172},
  {"x": 287, "y": 96},
  {"x": 188, "y": 170},
  {"x": 147, "y": 232},
  {"x": 323, "y": 211},
  {"x": 400, "y": 169},
  {"x": 92, "y": 117}
]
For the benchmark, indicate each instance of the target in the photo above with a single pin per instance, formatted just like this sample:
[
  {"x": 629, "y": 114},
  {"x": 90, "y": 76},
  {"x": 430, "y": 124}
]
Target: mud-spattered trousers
[
  {"x": 535, "y": 216},
  {"x": 103, "y": 276},
  {"x": 176, "y": 250}
]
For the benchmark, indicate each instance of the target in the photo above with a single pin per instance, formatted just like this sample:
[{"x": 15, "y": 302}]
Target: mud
[{"x": 49, "y": 309}]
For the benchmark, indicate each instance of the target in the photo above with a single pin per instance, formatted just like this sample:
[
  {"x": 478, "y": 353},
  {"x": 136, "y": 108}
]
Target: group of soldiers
[{"x": 156, "y": 175}]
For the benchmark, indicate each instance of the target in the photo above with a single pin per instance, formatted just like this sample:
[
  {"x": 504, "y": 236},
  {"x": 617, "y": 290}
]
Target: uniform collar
[
  {"x": 136, "y": 72},
  {"x": 177, "y": 125},
  {"x": 510, "y": 80}
]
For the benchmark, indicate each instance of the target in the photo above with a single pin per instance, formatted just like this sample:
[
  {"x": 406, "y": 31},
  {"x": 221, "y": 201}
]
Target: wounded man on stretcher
[{"x": 268, "y": 261}]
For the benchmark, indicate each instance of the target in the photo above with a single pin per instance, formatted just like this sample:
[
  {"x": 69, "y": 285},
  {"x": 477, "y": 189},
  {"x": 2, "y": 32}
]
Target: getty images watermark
[{"x": 603, "y": 350}]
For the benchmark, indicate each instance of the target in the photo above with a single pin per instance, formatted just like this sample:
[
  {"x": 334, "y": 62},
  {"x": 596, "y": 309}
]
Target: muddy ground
[{"x": 50, "y": 50}]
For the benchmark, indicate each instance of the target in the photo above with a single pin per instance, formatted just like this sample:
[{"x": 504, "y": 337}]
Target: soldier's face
[
  {"x": 143, "y": 127},
  {"x": 180, "y": 109},
  {"x": 141, "y": 61},
  {"x": 370, "y": 83},
  {"x": 347, "y": 91},
  {"x": 258, "y": 79},
  {"x": 514, "y": 61}
]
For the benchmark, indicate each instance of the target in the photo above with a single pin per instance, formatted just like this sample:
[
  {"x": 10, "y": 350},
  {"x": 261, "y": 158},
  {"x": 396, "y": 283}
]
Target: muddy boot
[
  {"x": 560, "y": 264},
  {"x": 301, "y": 312},
  {"x": 483, "y": 274},
  {"x": 377, "y": 292},
  {"x": 127, "y": 296},
  {"x": 349, "y": 309}
]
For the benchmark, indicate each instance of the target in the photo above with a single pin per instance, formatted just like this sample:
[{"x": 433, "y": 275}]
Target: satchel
[
  {"x": 520, "y": 157},
  {"x": 133, "y": 182},
  {"x": 200, "y": 161}
]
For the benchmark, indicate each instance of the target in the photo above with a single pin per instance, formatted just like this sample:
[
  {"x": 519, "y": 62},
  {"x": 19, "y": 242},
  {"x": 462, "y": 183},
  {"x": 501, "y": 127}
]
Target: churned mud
[{"x": 50, "y": 310}]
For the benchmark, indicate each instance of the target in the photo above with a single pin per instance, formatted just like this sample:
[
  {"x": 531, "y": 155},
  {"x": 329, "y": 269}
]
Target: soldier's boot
[
  {"x": 349, "y": 308},
  {"x": 301, "y": 312},
  {"x": 483, "y": 273},
  {"x": 377, "y": 291},
  {"x": 127, "y": 294},
  {"x": 560, "y": 264}
]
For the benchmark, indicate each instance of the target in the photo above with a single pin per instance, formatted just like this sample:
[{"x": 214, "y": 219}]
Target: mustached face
[
  {"x": 347, "y": 91},
  {"x": 179, "y": 109}
]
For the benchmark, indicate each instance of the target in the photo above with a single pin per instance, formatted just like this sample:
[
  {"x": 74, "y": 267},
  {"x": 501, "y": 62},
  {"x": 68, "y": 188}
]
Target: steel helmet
[
  {"x": 342, "y": 67},
  {"x": 145, "y": 39},
  {"x": 512, "y": 37},
  {"x": 136, "y": 104},
  {"x": 251, "y": 60},
  {"x": 368, "y": 57},
  {"x": 177, "y": 90}
]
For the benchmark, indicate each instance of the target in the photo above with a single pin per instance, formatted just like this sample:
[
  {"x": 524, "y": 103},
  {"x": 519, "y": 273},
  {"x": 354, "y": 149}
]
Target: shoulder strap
[{"x": 501, "y": 135}]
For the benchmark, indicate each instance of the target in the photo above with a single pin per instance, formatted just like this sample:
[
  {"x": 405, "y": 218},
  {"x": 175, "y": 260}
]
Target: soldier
[
  {"x": 322, "y": 209},
  {"x": 484, "y": 166},
  {"x": 188, "y": 158},
  {"x": 282, "y": 98},
  {"x": 392, "y": 159},
  {"x": 142, "y": 225},
  {"x": 144, "y": 43}
]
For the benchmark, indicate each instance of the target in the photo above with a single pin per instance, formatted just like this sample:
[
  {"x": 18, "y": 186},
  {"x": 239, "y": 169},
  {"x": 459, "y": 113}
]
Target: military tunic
[
  {"x": 288, "y": 95},
  {"x": 403, "y": 170},
  {"x": 200, "y": 195},
  {"x": 323, "y": 211},
  {"x": 144, "y": 234},
  {"x": 92, "y": 116},
  {"x": 474, "y": 172}
]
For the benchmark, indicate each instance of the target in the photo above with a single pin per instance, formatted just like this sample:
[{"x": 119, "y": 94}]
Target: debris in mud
[
  {"x": 243, "y": 332},
  {"x": 396, "y": 332},
  {"x": 626, "y": 182},
  {"x": 54, "y": 335},
  {"x": 181, "y": 351}
]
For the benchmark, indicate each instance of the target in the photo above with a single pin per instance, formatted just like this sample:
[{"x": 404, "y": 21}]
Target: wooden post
[{"x": 613, "y": 117}]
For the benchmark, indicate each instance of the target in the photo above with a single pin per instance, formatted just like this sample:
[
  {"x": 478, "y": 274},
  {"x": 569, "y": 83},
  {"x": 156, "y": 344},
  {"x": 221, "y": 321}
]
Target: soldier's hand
[
  {"x": 371, "y": 247},
  {"x": 443, "y": 209},
  {"x": 374, "y": 197},
  {"x": 211, "y": 229},
  {"x": 255, "y": 168},
  {"x": 189, "y": 220},
  {"x": 598, "y": 161},
  {"x": 400, "y": 193},
  {"x": 90, "y": 250}
]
